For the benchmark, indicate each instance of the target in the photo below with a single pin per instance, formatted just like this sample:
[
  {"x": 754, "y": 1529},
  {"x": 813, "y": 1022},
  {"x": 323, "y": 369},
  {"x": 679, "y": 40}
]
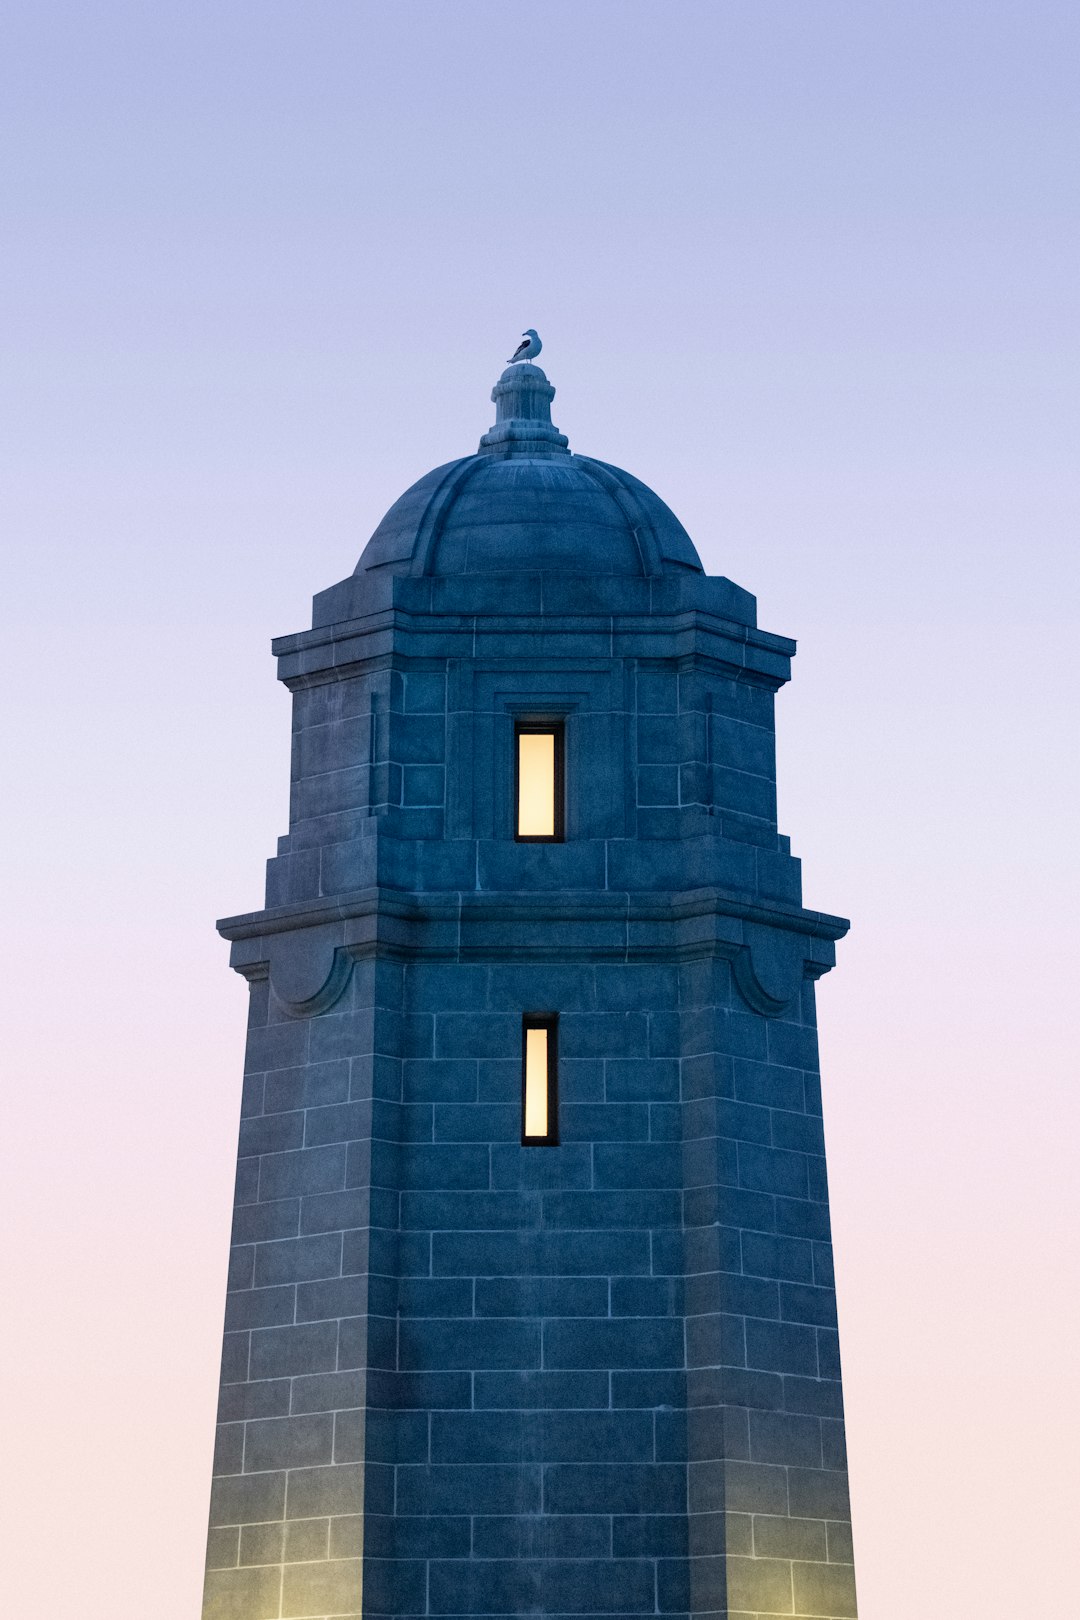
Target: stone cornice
[
  {"x": 307, "y": 951},
  {"x": 675, "y": 908},
  {"x": 315, "y": 656},
  {"x": 582, "y": 623}
]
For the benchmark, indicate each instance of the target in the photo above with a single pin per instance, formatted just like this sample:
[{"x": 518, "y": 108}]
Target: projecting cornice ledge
[{"x": 308, "y": 950}]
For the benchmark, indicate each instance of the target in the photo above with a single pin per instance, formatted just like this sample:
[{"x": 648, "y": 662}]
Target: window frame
[
  {"x": 550, "y": 1022},
  {"x": 530, "y": 727}
]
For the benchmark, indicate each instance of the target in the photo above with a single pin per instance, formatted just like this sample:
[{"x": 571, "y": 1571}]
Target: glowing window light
[
  {"x": 539, "y": 1123},
  {"x": 539, "y": 810}
]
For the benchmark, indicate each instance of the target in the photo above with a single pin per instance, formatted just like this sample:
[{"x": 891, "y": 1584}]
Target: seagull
[{"x": 528, "y": 348}]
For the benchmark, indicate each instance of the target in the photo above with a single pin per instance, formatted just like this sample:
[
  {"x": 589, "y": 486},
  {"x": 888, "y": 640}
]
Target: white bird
[{"x": 528, "y": 348}]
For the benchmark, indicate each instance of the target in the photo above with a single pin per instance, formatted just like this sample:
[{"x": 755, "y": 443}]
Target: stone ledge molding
[
  {"x": 601, "y": 638},
  {"x": 307, "y": 951}
]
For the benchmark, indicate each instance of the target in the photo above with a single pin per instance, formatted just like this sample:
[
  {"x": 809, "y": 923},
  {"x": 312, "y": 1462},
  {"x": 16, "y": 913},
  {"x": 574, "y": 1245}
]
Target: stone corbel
[
  {"x": 308, "y": 968},
  {"x": 771, "y": 964}
]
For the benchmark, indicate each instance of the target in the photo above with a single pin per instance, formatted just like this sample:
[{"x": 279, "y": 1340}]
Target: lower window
[{"x": 540, "y": 1080}]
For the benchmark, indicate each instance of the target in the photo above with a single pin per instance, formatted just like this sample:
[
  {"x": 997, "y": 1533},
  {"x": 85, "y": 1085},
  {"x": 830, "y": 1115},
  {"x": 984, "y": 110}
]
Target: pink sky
[{"x": 811, "y": 272}]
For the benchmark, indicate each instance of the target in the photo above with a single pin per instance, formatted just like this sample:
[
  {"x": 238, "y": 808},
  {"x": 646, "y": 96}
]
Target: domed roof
[{"x": 524, "y": 502}]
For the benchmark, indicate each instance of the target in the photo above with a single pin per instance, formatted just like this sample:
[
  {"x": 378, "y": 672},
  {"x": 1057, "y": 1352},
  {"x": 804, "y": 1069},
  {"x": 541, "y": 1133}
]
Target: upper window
[
  {"x": 539, "y": 752},
  {"x": 540, "y": 1080}
]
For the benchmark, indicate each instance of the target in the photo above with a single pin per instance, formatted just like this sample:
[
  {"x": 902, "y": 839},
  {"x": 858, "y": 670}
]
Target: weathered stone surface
[{"x": 463, "y": 1376}]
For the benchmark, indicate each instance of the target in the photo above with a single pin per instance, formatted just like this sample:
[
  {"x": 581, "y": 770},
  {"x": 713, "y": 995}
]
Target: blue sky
[{"x": 808, "y": 269}]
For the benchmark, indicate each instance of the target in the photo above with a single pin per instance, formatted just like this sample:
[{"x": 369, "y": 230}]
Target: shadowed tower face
[{"x": 531, "y": 1306}]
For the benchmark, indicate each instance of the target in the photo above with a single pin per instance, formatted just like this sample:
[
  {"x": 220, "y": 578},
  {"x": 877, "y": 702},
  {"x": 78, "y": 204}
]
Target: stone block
[
  {"x": 610, "y": 1122},
  {"x": 537, "y": 1168},
  {"x": 824, "y": 1589},
  {"x": 334, "y": 1212},
  {"x": 469, "y": 1211},
  {"x": 477, "y": 1122},
  {"x": 716, "y": 1341},
  {"x": 649, "y": 1535},
  {"x": 759, "y": 1586},
  {"x": 840, "y": 1545},
  {"x": 247, "y": 1498},
  {"x": 262, "y": 1543},
  {"x": 787, "y": 1258},
  {"x": 641, "y": 1080},
  {"x": 475, "y": 1035},
  {"x": 241, "y": 1594},
  {"x": 833, "y": 1444},
  {"x": 634, "y": 1165},
  {"x": 828, "y": 1348},
  {"x": 644, "y": 1296},
  {"x": 781, "y": 1347},
  {"x": 622, "y": 1487},
  {"x": 820, "y": 1397},
  {"x": 611, "y": 1210},
  {"x": 222, "y": 1548},
  {"x": 449, "y": 1489},
  {"x": 259, "y": 1307},
  {"x": 264, "y": 1398},
  {"x": 541, "y": 1253},
  {"x": 649, "y": 1389},
  {"x": 783, "y": 1437},
  {"x": 282, "y": 1352},
  {"x": 772, "y": 1170},
  {"x": 434, "y": 1296},
  {"x": 427, "y": 1536},
  {"x": 565, "y": 1535},
  {"x": 582, "y": 1586},
  {"x": 327, "y": 1392},
  {"x": 819, "y": 1493},
  {"x": 229, "y": 1448},
  {"x": 629, "y": 1342},
  {"x": 325, "y": 1491},
  {"x": 295, "y": 1174},
  {"x": 801, "y": 1303},
  {"x": 509, "y": 866},
  {"x": 768, "y": 1084},
  {"x": 339, "y": 1122},
  {"x": 270, "y": 1133},
  {"x": 741, "y": 1296},
  {"x": 499, "y": 1079},
  {"x": 440, "y": 1080},
  {"x": 241, "y": 1266},
  {"x": 433, "y": 1345},
  {"x": 541, "y": 1391},
  {"x": 292, "y": 1260},
  {"x": 330, "y": 1587},
  {"x": 802, "y": 1133},
  {"x": 797, "y": 1217},
  {"x": 333, "y": 1297},
  {"x": 451, "y": 1167},
  {"x": 308, "y": 1087},
  {"x": 747, "y": 1487}
]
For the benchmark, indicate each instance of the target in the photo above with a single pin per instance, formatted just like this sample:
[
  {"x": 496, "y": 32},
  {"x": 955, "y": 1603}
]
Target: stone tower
[{"x": 531, "y": 1305}]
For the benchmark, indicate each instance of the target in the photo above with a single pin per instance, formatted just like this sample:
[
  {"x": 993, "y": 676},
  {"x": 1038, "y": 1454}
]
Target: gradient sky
[{"x": 809, "y": 269}]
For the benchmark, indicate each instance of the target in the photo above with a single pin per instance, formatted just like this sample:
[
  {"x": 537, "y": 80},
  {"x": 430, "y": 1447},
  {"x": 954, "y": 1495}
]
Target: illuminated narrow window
[
  {"x": 538, "y": 772},
  {"x": 539, "y": 1080}
]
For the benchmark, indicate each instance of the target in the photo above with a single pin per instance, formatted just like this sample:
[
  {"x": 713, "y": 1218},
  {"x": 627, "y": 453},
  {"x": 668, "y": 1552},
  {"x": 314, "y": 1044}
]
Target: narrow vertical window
[
  {"x": 539, "y": 753},
  {"x": 539, "y": 1080}
]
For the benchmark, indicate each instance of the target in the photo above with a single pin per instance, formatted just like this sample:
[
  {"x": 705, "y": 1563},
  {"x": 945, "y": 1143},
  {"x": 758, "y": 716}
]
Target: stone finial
[{"x": 523, "y": 425}]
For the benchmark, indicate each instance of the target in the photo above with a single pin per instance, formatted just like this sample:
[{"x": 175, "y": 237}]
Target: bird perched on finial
[{"x": 528, "y": 348}]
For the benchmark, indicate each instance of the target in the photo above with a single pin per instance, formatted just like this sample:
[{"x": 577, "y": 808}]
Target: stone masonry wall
[
  {"x": 460, "y": 1376},
  {"x": 598, "y": 1378}
]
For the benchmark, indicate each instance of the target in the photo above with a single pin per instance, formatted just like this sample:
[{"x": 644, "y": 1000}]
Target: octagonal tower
[{"x": 531, "y": 1306}]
